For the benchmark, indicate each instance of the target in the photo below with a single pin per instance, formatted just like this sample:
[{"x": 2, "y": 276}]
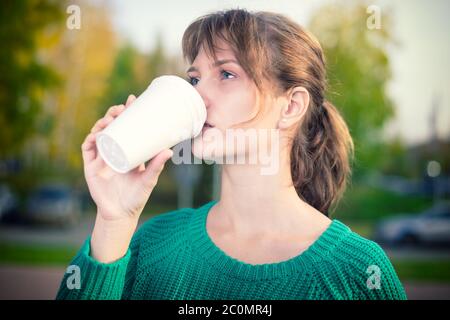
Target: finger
[
  {"x": 130, "y": 100},
  {"x": 114, "y": 111},
  {"x": 88, "y": 149},
  {"x": 138, "y": 169},
  {"x": 96, "y": 166},
  {"x": 155, "y": 167},
  {"x": 98, "y": 163},
  {"x": 92, "y": 160},
  {"x": 102, "y": 123}
]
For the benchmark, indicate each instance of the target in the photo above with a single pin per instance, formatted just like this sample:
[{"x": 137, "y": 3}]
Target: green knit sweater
[{"x": 171, "y": 256}]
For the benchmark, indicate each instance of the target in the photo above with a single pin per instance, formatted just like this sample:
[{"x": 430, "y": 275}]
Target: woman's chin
[
  {"x": 210, "y": 145},
  {"x": 206, "y": 152},
  {"x": 209, "y": 153}
]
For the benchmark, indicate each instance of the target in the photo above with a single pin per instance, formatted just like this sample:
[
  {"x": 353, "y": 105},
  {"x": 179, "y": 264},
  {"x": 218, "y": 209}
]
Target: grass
[
  {"x": 34, "y": 255},
  {"x": 432, "y": 271}
]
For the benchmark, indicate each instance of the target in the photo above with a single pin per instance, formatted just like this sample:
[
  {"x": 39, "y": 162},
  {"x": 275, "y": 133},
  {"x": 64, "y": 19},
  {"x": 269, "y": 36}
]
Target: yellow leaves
[
  {"x": 84, "y": 58},
  {"x": 23, "y": 58}
]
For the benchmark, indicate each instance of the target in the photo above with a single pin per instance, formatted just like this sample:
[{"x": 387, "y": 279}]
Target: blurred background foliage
[
  {"x": 358, "y": 71},
  {"x": 56, "y": 82},
  {"x": 26, "y": 26}
]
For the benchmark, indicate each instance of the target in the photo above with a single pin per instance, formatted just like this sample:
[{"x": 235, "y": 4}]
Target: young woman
[{"x": 269, "y": 236}]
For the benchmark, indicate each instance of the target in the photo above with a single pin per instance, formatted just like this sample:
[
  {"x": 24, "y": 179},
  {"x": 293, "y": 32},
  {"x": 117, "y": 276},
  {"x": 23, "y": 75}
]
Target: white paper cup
[{"x": 168, "y": 112}]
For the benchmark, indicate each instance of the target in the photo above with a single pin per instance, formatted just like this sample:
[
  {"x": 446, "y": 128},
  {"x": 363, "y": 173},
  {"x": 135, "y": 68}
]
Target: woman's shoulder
[
  {"x": 354, "y": 248},
  {"x": 366, "y": 263}
]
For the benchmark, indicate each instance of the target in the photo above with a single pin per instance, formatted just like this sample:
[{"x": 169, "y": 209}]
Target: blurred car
[
  {"x": 430, "y": 227},
  {"x": 8, "y": 202},
  {"x": 53, "y": 205}
]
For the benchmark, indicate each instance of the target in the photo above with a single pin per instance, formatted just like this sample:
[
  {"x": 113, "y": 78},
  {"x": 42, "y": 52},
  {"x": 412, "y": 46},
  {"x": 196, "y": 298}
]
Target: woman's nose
[{"x": 203, "y": 94}]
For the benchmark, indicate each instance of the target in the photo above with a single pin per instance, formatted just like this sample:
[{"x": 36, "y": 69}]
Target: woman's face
[{"x": 230, "y": 97}]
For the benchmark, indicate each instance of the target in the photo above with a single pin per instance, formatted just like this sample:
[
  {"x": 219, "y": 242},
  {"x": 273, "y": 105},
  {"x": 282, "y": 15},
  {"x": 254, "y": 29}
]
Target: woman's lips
[{"x": 206, "y": 126}]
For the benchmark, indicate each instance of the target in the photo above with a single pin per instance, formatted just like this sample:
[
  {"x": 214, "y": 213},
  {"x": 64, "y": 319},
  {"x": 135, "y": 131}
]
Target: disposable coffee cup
[{"x": 168, "y": 112}]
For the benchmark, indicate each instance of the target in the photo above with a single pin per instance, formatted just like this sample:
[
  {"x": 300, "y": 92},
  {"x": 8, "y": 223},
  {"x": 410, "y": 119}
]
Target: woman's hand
[{"x": 120, "y": 198}]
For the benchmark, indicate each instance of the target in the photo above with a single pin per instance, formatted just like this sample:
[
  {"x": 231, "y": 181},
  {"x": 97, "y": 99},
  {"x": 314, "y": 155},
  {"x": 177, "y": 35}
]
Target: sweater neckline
[{"x": 210, "y": 253}]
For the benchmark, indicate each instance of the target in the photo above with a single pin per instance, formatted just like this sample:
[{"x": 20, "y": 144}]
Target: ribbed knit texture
[{"x": 171, "y": 256}]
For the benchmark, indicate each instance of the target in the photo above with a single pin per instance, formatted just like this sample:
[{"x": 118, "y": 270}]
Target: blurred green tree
[
  {"x": 23, "y": 76},
  {"x": 83, "y": 58},
  {"x": 124, "y": 78},
  {"x": 86, "y": 58},
  {"x": 133, "y": 72},
  {"x": 358, "y": 71}
]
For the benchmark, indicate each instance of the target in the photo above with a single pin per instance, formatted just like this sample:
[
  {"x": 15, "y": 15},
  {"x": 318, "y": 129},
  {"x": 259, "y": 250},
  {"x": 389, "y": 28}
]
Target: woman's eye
[
  {"x": 193, "y": 81},
  {"x": 226, "y": 74}
]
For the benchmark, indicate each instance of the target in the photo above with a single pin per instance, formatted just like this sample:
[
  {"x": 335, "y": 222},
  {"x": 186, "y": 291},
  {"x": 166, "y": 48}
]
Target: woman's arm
[
  {"x": 99, "y": 280},
  {"x": 101, "y": 268}
]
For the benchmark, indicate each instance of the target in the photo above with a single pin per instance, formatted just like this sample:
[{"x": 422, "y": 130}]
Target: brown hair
[{"x": 271, "y": 46}]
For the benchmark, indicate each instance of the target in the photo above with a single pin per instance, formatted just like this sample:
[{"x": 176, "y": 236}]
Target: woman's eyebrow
[{"x": 215, "y": 64}]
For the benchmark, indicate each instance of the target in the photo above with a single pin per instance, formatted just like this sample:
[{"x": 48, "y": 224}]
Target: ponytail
[{"x": 320, "y": 157}]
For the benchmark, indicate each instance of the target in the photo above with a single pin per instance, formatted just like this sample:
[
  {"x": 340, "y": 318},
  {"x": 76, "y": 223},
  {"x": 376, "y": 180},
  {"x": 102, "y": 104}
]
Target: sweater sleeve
[
  {"x": 375, "y": 276},
  {"x": 89, "y": 279}
]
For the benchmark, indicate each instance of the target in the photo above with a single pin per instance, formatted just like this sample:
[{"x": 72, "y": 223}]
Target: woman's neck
[{"x": 252, "y": 204}]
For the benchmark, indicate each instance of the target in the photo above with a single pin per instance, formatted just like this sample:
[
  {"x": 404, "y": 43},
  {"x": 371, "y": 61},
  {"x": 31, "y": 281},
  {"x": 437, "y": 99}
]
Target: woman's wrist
[{"x": 111, "y": 239}]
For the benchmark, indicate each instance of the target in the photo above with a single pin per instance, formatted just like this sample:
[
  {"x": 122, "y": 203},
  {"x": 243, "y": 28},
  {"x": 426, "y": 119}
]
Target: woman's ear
[{"x": 298, "y": 102}]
